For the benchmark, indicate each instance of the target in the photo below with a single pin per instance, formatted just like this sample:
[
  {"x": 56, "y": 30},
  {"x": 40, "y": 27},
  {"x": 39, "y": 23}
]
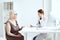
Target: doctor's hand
[{"x": 31, "y": 25}]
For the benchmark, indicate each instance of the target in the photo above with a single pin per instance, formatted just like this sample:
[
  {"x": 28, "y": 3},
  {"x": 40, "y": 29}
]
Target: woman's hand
[
  {"x": 19, "y": 35},
  {"x": 21, "y": 28}
]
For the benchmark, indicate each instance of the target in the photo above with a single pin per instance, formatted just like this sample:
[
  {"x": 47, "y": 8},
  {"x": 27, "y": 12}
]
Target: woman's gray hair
[{"x": 11, "y": 12}]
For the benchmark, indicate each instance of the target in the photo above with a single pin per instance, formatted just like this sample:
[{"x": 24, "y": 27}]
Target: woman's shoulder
[{"x": 7, "y": 22}]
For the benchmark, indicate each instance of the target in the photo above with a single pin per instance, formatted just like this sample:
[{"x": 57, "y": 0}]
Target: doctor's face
[{"x": 41, "y": 15}]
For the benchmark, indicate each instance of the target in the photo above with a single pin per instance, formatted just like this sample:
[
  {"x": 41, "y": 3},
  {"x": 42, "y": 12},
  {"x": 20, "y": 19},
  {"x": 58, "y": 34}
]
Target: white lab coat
[
  {"x": 43, "y": 36},
  {"x": 43, "y": 22},
  {"x": 46, "y": 23}
]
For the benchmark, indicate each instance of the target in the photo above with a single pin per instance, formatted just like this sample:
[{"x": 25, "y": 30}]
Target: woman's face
[{"x": 13, "y": 15}]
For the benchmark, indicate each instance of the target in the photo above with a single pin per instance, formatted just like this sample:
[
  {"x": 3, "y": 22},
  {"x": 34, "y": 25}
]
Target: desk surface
[{"x": 43, "y": 29}]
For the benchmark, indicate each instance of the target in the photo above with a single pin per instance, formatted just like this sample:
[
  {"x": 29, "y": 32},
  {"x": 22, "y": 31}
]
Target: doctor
[
  {"x": 41, "y": 19},
  {"x": 41, "y": 23}
]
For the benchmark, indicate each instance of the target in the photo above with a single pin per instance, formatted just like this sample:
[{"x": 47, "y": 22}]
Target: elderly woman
[{"x": 12, "y": 28}]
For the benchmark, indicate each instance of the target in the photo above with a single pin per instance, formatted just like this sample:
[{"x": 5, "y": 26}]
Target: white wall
[
  {"x": 27, "y": 10},
  {"x": 56, "y": 9},
  {"x": 57, "y": 36},
  {"x": 1, "y": 21},
  {"x": 2, "y": 32},
  {"x": 47, "y": 5},
  {"x": 56, "y": 13}
]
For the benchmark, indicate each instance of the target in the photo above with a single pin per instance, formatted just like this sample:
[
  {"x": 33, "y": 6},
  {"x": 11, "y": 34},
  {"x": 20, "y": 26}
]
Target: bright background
[{"x": 27, "y": 12}]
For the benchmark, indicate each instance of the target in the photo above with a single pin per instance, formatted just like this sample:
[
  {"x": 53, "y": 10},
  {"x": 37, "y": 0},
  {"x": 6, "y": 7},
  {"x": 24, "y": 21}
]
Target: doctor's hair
[{"x": 40, "y": 11}]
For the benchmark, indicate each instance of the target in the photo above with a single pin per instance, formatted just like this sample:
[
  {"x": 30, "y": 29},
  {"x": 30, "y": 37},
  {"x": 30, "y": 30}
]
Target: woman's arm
[
  {"x": 19, "y": 26},
  {"x": 8, "y": 29}
]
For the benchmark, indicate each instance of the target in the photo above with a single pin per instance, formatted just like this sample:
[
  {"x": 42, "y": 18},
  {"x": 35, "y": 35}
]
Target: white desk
[
  {"x": 43, "y": 29},
  {"x": 36, "y": 30}
]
